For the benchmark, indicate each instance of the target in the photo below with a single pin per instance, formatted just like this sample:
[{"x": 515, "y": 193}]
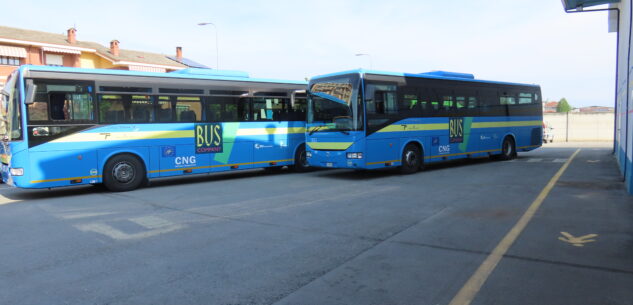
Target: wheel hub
[
  {"x": 123, "y": 172},
  {"x": 410, "y": 158}
]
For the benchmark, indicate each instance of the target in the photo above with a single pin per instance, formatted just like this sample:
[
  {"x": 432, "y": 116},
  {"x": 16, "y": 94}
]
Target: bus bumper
[{"x": 333, "y": 159}]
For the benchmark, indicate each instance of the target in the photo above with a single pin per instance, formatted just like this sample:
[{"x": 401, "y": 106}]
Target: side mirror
[{"x": 31, "y": 88}]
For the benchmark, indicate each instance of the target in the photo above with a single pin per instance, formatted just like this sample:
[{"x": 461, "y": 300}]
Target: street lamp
[
  {"x": 217, "y": 56},
  {"x": 368, "y": 55}
]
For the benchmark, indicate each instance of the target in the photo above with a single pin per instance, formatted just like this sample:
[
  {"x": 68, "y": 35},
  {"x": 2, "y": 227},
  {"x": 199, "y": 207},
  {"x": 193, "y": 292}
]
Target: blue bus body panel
[
  {"x": 165, "y": 149},
  {"x": 482, "y": 136}
]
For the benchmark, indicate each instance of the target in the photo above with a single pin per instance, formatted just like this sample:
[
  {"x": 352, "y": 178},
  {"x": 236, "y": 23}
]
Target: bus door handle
[{"x": 105, "y": 135}]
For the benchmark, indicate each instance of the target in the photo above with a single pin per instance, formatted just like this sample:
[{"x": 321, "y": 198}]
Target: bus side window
[
  {"x": 141, "y": 109},
  {"x": 214, "y": 108},
  {"x": 70, "y": 106},
  {"x": 460, "y": 106},
  {"x": 164, "y": 109},
  {"x": 298, "y": 112},
  {"x": 489, "y": 103},
  {"x": 111, "y": 108},
  {"x": 269, "y": 109},
  {"x": 409, "y": 102},
  {"x": 188, "y": 109},
  {"x": 244, "y": 109},
  {"x": 381, "y": 99}
]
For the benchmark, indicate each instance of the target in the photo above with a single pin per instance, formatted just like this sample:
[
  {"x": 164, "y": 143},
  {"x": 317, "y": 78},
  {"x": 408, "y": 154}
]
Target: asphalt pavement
[{"x": 332, "y": 236}]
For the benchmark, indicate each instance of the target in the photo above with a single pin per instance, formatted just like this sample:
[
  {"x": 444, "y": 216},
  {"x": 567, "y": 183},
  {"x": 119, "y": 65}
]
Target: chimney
[
  {"x": 72, "y": 36},
  {"x": 114, "y": 47},
  {"x": 179, "y": 53}
]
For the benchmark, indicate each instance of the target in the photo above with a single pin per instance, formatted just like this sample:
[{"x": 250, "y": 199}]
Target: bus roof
[
  {"x": 198, "y": 74},
  {"x": 430, "y": 75}
]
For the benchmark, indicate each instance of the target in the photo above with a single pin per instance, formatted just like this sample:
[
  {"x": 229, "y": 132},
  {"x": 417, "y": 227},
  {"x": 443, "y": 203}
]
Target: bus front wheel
[
  {"x": 411, "y": 161},
  {"x": 123, "y": 173},
  {"x": 301, "y": 162}
]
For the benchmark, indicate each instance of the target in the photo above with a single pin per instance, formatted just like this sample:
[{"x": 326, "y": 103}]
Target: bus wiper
[{"x": 315, "y": 129}]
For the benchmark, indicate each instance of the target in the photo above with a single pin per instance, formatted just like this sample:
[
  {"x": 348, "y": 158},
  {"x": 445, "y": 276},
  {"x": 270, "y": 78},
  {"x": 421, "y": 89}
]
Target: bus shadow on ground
[{"x": 393, "y": 171}]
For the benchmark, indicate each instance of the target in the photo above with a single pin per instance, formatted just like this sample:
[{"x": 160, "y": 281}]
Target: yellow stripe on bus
[
  {"x": 269, "y": 131},
  {"x": 168, "y": 134},
  {"x": 414, "y": 127},
  {"x": 507, "y": 124},
  {"x": 64, "y": 179},
  {"x": 381, "y": 162},
  {"x": 444, "y": 126},
  {"x": 125, "y": 136},
  {"x": 330, "y": 145}
]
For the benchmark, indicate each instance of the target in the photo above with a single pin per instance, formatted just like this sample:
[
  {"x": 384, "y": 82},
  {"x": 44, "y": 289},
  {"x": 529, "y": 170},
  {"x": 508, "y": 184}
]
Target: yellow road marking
[
  {"x": 4, "y": 200},
  {"x": 577, "y": 241},
  {"x": 468, "y": 292}
]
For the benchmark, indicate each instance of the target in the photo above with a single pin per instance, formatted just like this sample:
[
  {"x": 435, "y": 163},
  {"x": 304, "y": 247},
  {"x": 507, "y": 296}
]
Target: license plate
[{"x": 329, "y": 164}]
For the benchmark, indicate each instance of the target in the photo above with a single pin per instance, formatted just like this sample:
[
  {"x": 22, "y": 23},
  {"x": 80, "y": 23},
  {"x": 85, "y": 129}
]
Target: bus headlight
[
  {"x": 17, "y": 172},
  {"x": 308, "y": 154},
  {"x": 351, "y": 155}
]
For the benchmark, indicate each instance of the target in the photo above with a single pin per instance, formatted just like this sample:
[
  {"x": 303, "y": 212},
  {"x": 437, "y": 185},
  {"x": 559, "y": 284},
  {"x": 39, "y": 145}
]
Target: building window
[
  {"x": 11, "y": 61},
  {"x": 54, "y": 60}
]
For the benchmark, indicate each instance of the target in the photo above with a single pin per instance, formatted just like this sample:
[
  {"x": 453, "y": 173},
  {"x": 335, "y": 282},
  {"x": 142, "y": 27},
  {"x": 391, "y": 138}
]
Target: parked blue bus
[
  {"x": 368, "y": 119},
  {"x": 69, "y": 126}
]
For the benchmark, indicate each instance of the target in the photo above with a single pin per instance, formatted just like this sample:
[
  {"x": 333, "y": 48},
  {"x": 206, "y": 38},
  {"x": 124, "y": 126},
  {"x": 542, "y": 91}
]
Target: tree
[{"x": 563, "y": 106}]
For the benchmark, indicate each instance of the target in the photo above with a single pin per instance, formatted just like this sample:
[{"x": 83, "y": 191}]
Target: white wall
[{"x": 582, "y": 126}]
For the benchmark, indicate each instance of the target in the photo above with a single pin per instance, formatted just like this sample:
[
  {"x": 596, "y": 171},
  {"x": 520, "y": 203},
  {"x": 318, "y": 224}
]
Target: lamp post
[
  {"x": 217, "y": 56},
  {"x": 368, "y": 55}
]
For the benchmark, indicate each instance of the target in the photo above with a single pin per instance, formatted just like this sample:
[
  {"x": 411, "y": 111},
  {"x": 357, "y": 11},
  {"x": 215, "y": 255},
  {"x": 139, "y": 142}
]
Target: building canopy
[{"x": 578, "y": 4}]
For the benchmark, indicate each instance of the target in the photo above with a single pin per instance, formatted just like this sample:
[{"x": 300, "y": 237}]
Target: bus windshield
[{"x": 333, "y": 105}]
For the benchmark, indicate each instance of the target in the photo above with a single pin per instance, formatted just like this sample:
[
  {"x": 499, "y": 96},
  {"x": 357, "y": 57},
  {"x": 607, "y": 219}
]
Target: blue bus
[
  {"x": 70, "y": 126},
  {"x": 369, "y": 119}
]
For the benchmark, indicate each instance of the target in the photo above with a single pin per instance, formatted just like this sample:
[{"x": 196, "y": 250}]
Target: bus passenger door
[{"x": 382, "y": 110}]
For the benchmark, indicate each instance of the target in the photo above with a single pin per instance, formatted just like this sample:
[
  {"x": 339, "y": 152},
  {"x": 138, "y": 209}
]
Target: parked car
[{"x": 548, "y": 133}]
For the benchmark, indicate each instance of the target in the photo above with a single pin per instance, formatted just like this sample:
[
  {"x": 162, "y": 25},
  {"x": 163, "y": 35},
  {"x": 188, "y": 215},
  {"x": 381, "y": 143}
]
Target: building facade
[
  {"x": 550, "y": 107},
  {"x": 620, "y": 21},
  {"x": 21, "y": 47}
]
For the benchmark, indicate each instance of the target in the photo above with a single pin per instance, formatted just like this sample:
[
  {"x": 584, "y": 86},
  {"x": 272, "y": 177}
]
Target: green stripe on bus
[
  {"x": 229, "y": 133},
  {"x": 330, "y": 145}
]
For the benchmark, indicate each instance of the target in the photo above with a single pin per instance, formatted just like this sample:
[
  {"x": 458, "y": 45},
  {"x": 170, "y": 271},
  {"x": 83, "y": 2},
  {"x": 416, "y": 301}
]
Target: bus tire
[
  {"x": 123, "y": 173},
  {"x": 301, "y": 162},
  {"x": 411, "y": 161},
  {"x": 508, "y": 149}
]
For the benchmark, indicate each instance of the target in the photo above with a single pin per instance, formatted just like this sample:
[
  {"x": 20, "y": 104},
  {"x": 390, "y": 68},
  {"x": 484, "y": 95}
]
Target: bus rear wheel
[
  {"x": 123, "y": 173},
  {"x": 508, "y": 149},
  {"x": 411, "y": 160},
  {"x": 301, "y": 161}
]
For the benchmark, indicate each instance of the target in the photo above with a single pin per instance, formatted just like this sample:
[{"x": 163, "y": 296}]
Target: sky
[{"x": 524, "y": 41}]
